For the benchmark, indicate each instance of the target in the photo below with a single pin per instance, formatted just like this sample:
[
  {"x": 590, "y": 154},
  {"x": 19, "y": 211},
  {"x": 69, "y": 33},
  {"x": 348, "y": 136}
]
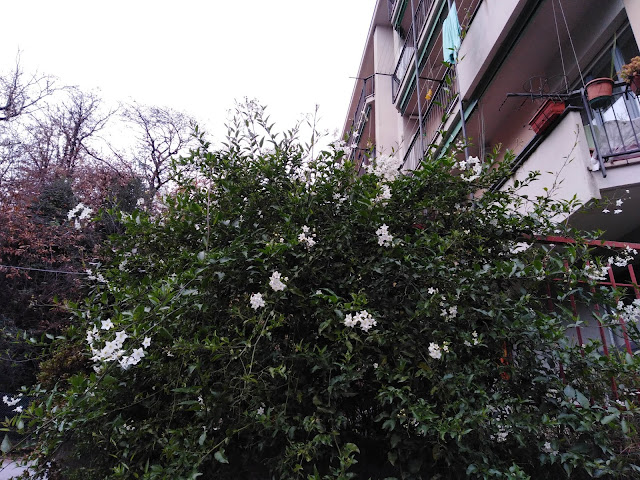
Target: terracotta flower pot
[
  {"x": 635, "y": 84},
  {"x": 599, "y": 92},
  {"x": 546, "y": 114}
]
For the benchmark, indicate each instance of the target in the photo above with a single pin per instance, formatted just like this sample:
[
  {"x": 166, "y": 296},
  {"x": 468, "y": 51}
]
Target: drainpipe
[{"x": 417, "y": 77}]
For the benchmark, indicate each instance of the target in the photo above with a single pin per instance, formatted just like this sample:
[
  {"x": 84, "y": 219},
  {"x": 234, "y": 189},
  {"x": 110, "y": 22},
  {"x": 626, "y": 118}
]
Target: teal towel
[{"x": 451, "y": 35}]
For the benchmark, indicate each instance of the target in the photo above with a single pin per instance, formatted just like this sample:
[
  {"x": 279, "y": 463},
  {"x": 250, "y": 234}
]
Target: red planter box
[{"x": 546, "y": 114}]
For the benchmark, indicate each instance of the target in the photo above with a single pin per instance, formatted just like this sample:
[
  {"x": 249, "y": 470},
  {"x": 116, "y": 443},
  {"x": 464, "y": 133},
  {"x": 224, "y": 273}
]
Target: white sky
[{"x": 197, "y": 55}]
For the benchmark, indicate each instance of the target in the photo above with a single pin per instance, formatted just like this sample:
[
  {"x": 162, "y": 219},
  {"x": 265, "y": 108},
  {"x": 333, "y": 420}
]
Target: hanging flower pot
[
  {"x": 546, "y": 114},
  {"x": 599, "y": 92}
]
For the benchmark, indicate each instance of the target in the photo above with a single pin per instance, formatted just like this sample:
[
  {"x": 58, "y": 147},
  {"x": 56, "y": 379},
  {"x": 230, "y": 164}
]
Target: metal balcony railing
[
  {"x": 391, "y": 4},
  {"x": 616, "y": 126},
  {"x": 408, "y": 49},
  {"x": 433, "y": 119},
  {"x": 368, "y": 91},
  {"x": 613, "y": 335}
]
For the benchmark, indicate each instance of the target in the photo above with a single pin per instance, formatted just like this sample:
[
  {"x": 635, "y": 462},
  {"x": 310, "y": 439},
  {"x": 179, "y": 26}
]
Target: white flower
[
  {"x": 434, "y": 351},
  {"x": 107, "y": 325},
  {"x": 260, "y": 411},
  {"x": 18, "y": 409},
  {"x": 257, "y": 301},
  {"x": 349, "y": 320},
  {"x": 432, "y": 291},
  {"x": 619, "y": 202},
  {"x": 606, "y": 210},
  {"x": 81, "y": 212},
  {"x": 11, "y": 401},
  {"x": 363, "y": 318},
  {"x": 617, "y": 211},
  {"x": 121, "y": 336},
  {"x": 146, "y": 342},
  {"x": 384, "y": 238},
  {"x": 473, "y": 169},
  {"x": 384, "y": 195},
  {"x": 307, "y": 238},
  {"x": 275, "y": 283},
  {"x": 385, "y": 167}
]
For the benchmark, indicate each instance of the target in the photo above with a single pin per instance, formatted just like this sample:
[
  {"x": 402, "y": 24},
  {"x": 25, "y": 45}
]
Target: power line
[{"x": 43, "y": 270}]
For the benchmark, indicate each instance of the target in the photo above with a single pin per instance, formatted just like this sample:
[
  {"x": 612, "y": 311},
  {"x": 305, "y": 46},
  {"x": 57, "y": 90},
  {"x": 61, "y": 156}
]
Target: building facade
[{"x": 514, "y": 57}]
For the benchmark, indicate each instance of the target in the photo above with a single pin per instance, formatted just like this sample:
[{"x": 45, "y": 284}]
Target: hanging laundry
[{"x": 451, "y": 32}]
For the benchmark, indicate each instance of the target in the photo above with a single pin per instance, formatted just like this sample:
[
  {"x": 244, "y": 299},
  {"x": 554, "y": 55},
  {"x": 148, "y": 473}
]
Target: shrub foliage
[{"x": 286, "y": 317}]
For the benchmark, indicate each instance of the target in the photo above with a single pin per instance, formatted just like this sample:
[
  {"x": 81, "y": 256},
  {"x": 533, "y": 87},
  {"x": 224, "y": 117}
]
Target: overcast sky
[{"x": 197, "y": 55}]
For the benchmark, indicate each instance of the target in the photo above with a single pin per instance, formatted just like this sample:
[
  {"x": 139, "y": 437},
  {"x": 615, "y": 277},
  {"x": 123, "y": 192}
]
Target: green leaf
[
  {"x": 5, "y": 447},
  {"x": 582, "y": 400},
  {"x": 220, "y": 456}
]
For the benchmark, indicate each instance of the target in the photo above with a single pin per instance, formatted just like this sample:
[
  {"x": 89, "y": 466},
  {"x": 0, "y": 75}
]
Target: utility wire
[{"x": 43, "y": 270}]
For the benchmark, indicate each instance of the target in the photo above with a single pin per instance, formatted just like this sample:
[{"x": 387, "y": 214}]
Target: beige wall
[
  {"x": 563, "y": 159},
  {"x": 489, "y": 27},
  {"x": 387, "y": 118}
]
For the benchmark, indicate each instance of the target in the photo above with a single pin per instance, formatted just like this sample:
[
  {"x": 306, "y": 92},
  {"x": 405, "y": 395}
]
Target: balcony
[
  {"x": 408, "y": 49},
  {"x": 362, "y": 110},
  {"x": 616, "y": 128},
  {"x": 433, "y": 120}
]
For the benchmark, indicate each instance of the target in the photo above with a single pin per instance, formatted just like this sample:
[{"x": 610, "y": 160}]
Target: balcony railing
[
  {"x": 368, "y": 91},
  {"x": 433, "y": 119},
  {"x": 616, "y": 127},
  {"x": 391, "y": 4},
  {"x": 408, "y": 49}
]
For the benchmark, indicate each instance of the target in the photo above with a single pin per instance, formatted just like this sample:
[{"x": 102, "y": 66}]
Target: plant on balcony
[
  {"x": 546, "y": 114},
  {"x": 286, "y": 318},
  {"x": 630, "y": 73},
  {"x": 599, "y": 91}
]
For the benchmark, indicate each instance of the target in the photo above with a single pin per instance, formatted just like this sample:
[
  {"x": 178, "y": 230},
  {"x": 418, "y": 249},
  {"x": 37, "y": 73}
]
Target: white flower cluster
[
  {"x": 474, "y": 339},
  {"x": 257, "y": 301},
  {"x": 449, "y": 314},
  {"x": 385, "y": 167},
  {"x": 81, "y": 212},
  {"x": 341, "y": 146},
  {"x": 596, "y": 273},
  {"x": 98, "y": 276},
  {"x": 113, "y": 349},
  {"x": 307, "y": 238},
  {"x": 384, "y": 238},
  {"x": 11, "y": 401},
  {"x": 316, "y": 170},
  {"x": 629, "y": 313},
  {"x": 623, "y": 259},
  {"x": 472, "y": 168},
  {"x": 435, "y": 350},
  {"x": 384, "y": 195},
  {"x": 362, "y": 318},
  {"x": 275, "y": 283}
]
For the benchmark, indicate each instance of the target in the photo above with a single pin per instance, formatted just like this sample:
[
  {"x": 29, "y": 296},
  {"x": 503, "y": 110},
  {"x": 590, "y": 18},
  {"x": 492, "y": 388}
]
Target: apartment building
[{"x": 512, "y": 57}]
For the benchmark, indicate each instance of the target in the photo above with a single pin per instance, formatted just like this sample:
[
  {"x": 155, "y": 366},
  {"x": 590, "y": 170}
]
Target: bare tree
[
  {"x": 62, "y": 135},
  {"x": 161, "y": 134},
  {"x": 20, "y": 92}
]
